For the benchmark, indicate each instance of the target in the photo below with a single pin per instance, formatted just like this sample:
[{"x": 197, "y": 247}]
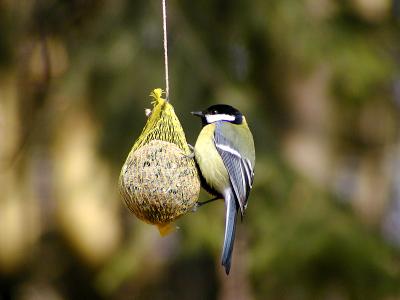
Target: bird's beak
[{"x": 197, "y": 113}]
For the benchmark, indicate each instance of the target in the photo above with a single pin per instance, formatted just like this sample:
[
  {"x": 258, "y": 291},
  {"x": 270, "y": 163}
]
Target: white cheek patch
[{"x": 219, "y": 117}]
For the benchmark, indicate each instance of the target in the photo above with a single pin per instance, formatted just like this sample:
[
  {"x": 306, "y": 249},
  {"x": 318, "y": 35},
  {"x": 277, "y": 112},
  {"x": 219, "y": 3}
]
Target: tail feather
[{"x": 230, "y": 227}]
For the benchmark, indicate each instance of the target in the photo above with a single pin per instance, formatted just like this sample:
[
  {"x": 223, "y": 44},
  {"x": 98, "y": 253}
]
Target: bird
[{"x": 225, "y": 156}]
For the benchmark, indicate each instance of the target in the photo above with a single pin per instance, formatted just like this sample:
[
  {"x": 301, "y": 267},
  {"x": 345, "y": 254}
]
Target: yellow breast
[{"x": 210, "y": 162}]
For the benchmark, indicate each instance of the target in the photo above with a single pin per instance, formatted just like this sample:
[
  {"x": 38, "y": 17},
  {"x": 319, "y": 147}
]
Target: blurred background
[{"x": 320, "y": 85}]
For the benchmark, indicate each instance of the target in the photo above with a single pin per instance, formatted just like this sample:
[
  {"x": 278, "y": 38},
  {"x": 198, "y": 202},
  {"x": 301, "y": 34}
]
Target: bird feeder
[{"x": 159, "y": 180}]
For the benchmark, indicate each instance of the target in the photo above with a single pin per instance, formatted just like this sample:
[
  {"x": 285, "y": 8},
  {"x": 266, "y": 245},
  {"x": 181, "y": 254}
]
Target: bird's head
[{"x": 220, "y": 112}]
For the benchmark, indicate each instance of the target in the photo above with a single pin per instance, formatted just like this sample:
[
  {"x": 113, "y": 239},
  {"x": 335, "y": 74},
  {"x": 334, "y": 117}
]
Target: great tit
[{"x": 225, "y": 154}]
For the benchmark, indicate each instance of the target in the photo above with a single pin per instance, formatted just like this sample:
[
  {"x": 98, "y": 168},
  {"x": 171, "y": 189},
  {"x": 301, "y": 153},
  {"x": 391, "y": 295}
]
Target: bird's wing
[{"x": 238, "y": 158}]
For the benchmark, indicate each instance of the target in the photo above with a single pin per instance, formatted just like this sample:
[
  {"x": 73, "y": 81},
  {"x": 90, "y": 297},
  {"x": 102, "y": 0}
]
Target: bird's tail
[{"x": 230, "y": 226}]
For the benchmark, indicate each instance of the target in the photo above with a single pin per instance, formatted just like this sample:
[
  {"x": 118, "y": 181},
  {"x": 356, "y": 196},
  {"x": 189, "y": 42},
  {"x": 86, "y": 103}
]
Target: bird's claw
[
  {"x": 195, "y": 207},
  {"x": 191, "y": 155},
  {"x": 198, "y": 203}
]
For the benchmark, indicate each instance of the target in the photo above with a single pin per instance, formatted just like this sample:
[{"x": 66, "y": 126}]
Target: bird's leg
[
  {"x": 208, "y": 201},
  {"x": 191, "y": 155},
  {"x": 198, "y": 203}
]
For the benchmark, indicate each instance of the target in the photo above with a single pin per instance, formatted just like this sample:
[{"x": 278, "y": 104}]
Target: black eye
[{"x": 215, "y": 112}]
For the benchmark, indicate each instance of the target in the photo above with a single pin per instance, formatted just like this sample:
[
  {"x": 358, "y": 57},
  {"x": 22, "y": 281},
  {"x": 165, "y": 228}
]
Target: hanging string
[{"x": 165, "y": 49}]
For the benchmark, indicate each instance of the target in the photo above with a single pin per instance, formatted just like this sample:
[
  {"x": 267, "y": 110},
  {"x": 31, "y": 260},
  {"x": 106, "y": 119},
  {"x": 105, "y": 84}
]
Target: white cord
[{"x": 165, "y": 49}]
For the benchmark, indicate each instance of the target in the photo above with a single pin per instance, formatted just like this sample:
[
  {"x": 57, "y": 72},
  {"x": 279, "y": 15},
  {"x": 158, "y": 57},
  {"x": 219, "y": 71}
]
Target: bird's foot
[
  {"x": 198, "y": 203},
  {"x": 191, "y": 155}
]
